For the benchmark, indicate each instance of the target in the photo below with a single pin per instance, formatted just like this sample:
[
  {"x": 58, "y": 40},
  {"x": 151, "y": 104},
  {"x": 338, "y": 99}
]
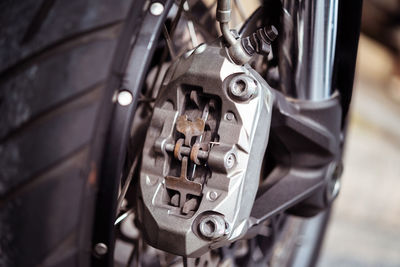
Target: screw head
[
  {"x": 100, "y": 249},
  {"x": 242, "y": 87},
  {"x": 212, "y": 195},
  {"x": 212, "y": 226},
  {"x": 156, "y": 9},
  {"x": 124, "y": 98},
  {"x": 230, "y": 160},
  {"x": 229, "y": 116},
  {"x": 239, "y": 88}
]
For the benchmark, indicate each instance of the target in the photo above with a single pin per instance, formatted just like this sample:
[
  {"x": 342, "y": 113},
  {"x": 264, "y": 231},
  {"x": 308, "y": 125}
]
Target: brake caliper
[{"x": 203, "y": 153}]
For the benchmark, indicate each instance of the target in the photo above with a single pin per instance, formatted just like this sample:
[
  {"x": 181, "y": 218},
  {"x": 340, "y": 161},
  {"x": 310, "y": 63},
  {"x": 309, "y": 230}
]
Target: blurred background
[{"x": 365, "y": 224}]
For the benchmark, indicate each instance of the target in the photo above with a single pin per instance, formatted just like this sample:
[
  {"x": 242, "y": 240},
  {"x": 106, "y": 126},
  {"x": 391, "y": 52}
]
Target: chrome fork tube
[{"x": 307, "y": 48}]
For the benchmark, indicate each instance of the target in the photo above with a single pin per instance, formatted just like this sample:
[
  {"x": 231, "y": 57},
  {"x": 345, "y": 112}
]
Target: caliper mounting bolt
[
  {"x": 212, "y": 226},
  {"x": 242, "y": 87}
]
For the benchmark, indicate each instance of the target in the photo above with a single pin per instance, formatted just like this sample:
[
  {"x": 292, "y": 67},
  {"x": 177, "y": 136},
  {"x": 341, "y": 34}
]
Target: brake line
[{"x": 224, "y": 17}]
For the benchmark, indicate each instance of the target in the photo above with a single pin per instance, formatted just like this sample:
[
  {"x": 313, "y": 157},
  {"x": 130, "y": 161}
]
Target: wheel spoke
[
  {"x": 123, "y": 216},
  {"x": 199, "y": 25},
  {"x": 177, "y": 18},
  {"x": 126, "y": 185},
  {"x": 190, "y": 26},
  {"x": 166, "y": 49},
  {"x": 133, "y": 260},
  {"x": 169, "y": 42}
]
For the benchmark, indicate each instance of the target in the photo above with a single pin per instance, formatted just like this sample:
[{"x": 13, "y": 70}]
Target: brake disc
[{"x": 203, "y": 153}]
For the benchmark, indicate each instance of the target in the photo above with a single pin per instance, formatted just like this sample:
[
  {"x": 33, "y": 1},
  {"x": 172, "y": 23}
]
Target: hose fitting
[
  {"x": 235, "y": 49},
  {"x": 241, "y": 50},
  {"x": 223, "y": 17},
  {"x": 224, "y": 11},
  {"x": 260, "y": 41}
]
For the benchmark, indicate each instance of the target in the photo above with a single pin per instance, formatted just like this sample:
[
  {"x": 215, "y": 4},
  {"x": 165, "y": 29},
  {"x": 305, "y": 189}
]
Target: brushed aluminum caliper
[{"x": 203, "y": 152}]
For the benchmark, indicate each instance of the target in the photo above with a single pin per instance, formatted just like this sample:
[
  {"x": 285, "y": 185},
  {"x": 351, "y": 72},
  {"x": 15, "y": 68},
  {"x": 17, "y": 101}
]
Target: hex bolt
[
  {"x": 242, "y": 87},
  {"x": 260, "y": 41},
  {"x": 100, "y": 249},
  {"x": 212, "y": 195},
  {"x": 124, "y": 97},
  {"x": 271, "y": 33},
  {"x": 156, "y": 9},
  {"x": 212, "y": 227},
  {"x": 229, "y": 116},
  {"x": 230, "y": 160}
]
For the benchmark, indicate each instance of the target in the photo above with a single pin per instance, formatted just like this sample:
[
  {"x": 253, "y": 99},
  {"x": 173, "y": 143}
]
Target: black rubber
[{"x": 56, "y": 62}]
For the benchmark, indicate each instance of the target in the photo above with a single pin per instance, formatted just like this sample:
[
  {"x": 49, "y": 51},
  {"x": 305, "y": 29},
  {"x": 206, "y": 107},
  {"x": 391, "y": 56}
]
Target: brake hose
[
  {"x": 223, "y": 17},
  {"x": 241, "y": 50}
]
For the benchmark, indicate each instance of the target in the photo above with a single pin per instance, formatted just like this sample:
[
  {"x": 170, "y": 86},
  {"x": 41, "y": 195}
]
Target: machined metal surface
[
  {"x": 235, "y": 47},
  {"x": 305, "y": 136},
  {"x": 213, "y": 227},
  {"x": 203, "y": 153},
  {"x": 242, "y": 87},
  {"x": 307, "y": 48},
  {"x": 260, "y": 41}
]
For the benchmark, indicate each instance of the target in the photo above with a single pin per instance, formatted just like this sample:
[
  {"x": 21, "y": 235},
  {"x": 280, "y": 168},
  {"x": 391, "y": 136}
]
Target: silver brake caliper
[{"x": 203, "y": 153}]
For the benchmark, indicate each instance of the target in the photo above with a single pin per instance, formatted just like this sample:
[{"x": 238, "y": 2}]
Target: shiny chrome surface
[{"x": 307, "y": 48}]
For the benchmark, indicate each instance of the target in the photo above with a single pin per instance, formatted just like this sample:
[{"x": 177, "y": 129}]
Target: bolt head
[
  {"x": 264, "y": 48},
  {"x": 100, "y": 249},
  {"x": 239, "y": 88},
  {"x": 242, "y": 87},
  {"x": 212, "y": 195},
  {"x": 271, "y": 33},
  {"x": 156, "y": 9},
  {"x": 124, "y": 98},
  {"x": 248, "y": 47},
  {"x": 212, "y": 226},
  {"x": 230, "y": 160},
  {"x": 229, "y": 116}
]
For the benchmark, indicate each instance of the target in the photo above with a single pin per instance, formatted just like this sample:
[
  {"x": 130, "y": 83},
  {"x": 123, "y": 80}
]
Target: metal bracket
[{"x": 305, "y": 139}]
